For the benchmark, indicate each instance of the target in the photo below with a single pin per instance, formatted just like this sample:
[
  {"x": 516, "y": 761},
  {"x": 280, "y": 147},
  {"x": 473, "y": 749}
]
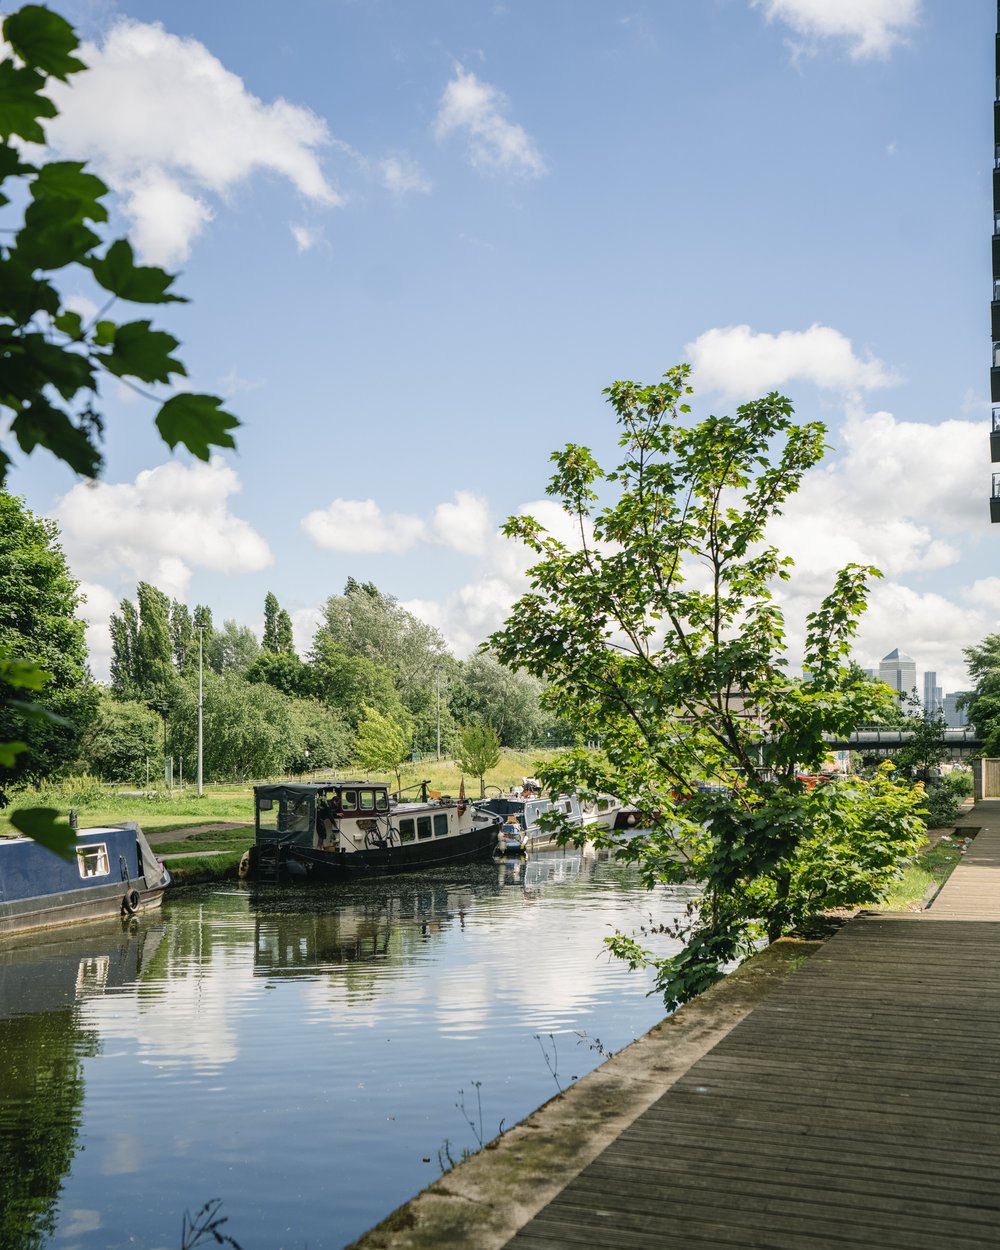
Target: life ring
[{"x": 131, "y": 902}]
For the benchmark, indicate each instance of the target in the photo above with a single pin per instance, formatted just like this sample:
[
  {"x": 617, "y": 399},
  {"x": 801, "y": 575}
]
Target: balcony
[{"x": 995, "y": 500}]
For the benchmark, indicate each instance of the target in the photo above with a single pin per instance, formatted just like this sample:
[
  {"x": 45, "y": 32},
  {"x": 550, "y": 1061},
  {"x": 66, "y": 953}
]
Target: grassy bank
[{"x": 160, "y": 812}]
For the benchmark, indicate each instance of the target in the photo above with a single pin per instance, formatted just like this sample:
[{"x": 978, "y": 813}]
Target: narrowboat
[
  {"x": 329, "y": 830},
  {"x": 112, "y": 873}
]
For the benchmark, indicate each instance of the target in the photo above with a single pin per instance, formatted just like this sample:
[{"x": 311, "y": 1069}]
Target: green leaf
[
  {"x": 40, "y": 424},
  {"x": 104, "y": 333},
  {"x": 197, "y": 421},
  {"x": 9, "y": 751},
  {"x": 42, "y": 824},
  {"x": 50, "y": 243},
  {"x": 37, "y": 712},
  {"x": 68, "y": 183},
  {"x": 44, "y": 40},
  {"x": 118, "y": 273},
  {"x": 142, "y": 353},
  {"x": 21, "y": 104},
  {"x": 22, "y": 674},
  {"x": 70, "y": 324},
  {"x": 11, "y": 165},
  {"x": 68, "y": 371},
  {"x": 22, "y": 294}
]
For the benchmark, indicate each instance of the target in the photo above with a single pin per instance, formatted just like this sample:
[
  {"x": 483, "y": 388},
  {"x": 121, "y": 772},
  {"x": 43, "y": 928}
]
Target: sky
[{"x": 420, "y": 239}]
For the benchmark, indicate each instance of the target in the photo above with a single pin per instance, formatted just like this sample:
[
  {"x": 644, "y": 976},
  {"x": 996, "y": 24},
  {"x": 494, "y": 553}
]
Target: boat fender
[{"x": 131, "y": 901}]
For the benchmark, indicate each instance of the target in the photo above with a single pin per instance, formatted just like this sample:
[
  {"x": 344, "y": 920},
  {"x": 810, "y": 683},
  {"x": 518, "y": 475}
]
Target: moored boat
[
  {"x": 527, "y": 807},
  {"x": 113, "y": 872},
  {"x": 333, "y": 829},
  {"x": 511, "y": 839}
]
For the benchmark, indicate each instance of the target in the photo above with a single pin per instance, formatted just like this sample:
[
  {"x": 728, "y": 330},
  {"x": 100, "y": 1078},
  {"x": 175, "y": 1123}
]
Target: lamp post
[
  {"x": 201, "y": 650},
  {"x": 438, "y": 675}
]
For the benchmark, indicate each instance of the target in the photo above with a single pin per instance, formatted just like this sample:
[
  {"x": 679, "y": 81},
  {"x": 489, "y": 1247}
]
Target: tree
[
  {"x": 120, "y": 740},
  {"x": 182, "y": 637},
  {"x": 478, "y": 752},
  {"x": 44, "y": 640},
  {"x": 247, "y": 727},
  {"x": 349, "y": 682},
  {"x": 983, "y": 701},
  {"x": 374, "y": 626},
  {"x": 382, "y": 744},
  {"x": 239, "y": 647},
  {"x": 485, "y": 689},
  {"x": 277, "y": 627},
  {"x": 659, "y": 629}
]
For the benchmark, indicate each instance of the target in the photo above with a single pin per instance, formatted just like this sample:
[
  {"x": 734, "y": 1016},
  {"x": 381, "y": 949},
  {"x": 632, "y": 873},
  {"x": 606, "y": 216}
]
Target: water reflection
[
  {"x": 300, "y": 1052},
  {"x": 43, "y": 1042}
]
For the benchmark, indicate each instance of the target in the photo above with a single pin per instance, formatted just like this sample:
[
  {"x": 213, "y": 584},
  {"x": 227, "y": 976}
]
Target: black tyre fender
[{"x": 131, "y": 902}]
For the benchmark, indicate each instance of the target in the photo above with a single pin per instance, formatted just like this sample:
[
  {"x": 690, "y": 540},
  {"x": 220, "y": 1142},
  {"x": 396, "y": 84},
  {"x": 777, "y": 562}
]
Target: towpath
[{"x": 846, "y": 1100}]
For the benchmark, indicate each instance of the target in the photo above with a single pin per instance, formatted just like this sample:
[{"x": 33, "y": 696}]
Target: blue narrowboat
[{"x": 113, "y": 872}]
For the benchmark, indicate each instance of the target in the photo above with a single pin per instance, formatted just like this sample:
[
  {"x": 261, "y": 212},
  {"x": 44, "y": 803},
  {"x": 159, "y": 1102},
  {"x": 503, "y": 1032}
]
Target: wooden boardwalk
[{"x": 857, "y": 1106}]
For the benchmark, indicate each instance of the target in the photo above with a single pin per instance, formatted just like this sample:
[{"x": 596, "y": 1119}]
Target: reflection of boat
[
  {"x": 113, "y": 872},
  {"x": 553, "y": 867},
  {"x": 528, "y": 807},
  {"x": 332, "y": 829},
  {"x": 512, "y": 839},
  {"x": 44, "y": 1040}
]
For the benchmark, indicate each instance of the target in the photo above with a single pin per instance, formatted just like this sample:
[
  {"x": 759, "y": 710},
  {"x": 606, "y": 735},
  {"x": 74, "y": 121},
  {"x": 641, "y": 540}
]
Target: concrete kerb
[{"x": 482, "y": 1202}]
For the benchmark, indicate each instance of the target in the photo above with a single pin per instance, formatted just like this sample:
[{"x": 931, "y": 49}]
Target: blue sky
[{"x": 419, "y": 239}]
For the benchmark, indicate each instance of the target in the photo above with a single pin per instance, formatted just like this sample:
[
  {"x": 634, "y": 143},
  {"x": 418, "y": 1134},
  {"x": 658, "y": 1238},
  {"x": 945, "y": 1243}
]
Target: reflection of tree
[
  {"x": 43, "y": 1044},
  {"x": 43, "y": 1095}
]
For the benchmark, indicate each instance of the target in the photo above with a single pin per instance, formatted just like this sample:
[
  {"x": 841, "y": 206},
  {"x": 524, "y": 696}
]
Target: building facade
[{"x": 899, "y": 671}]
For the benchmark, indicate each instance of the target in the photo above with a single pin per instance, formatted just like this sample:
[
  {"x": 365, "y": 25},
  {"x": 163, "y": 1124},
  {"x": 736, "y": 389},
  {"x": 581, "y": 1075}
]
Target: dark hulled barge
[{"x": 333, "y": 829}]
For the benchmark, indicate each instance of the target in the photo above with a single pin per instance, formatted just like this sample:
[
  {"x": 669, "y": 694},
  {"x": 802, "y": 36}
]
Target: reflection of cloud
[{"x": 193, "y": 1020}]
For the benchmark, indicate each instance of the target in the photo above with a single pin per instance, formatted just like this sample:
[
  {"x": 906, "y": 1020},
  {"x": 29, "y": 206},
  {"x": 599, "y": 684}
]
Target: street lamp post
[{"x": 201, "y": 649}]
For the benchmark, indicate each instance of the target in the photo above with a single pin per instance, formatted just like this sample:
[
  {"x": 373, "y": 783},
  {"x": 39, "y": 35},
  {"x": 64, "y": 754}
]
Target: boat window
[
  {"x": 568, "y": 805},
  {"x": 406, "y": 833},
  {"x": 297, "y": 816},
  {"x": 367, "y": 800},
  {"x": 349, "y": 800},
  {"x": 93, "y": 860},
  {"x": 267, "y": 814},
  {"x": 423, "y": 826},
  {"x": 381, "y": 800},
  {"x": 440, "y": 824}
]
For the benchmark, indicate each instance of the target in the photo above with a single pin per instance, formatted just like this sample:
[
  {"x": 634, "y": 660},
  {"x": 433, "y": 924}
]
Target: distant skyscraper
[
  {"x": 933, "y": 695},
  {"x": 953, "y": 716},
  {"x": 899, "y": 671}
]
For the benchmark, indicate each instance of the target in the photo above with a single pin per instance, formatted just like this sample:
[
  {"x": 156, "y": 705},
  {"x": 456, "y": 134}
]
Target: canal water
[{"x": 312, "y": 1057}]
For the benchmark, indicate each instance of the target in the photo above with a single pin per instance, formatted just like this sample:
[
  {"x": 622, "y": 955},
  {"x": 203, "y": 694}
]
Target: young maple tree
[{"x": 659, "y": 629}]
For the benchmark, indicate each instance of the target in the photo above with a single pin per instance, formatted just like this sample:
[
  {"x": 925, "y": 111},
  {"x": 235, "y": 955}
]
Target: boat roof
[{"x": 316, "y": 787}]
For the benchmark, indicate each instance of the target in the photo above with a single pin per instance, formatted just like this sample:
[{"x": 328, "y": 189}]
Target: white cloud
[
  {"x": 360, "y": 525},
  {"x": 305, "y": 237},
  {"x": 477, "y": 110},
  {"x": 167, "y": 125},
  {"x": 402, "y": 176},
  {"x": 736, "y": 361},
  {"x": 873, "y": 27},
  {"x": 159, "y": 528}
]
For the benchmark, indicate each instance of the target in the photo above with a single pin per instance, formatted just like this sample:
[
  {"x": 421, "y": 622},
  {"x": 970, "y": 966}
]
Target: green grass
[{"x": 929, "y": 871}]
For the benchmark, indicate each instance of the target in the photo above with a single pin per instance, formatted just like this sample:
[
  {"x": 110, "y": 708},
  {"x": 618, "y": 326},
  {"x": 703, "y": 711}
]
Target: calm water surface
[{"x": 304, "y": 1054}]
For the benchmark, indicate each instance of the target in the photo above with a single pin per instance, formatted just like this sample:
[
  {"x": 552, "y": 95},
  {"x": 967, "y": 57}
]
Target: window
[
  {"x": 367, "y": 800},
  {"x": 381, "y": 800},
  {"x": 349, "y": 799},
  {"x": 267, "y": 814},
  {"x": 93, "y": 860},
  {"x": 440, "y": 824},
  {"x": 406, "y": 833},
  {"x": 423, "y": 826}
]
